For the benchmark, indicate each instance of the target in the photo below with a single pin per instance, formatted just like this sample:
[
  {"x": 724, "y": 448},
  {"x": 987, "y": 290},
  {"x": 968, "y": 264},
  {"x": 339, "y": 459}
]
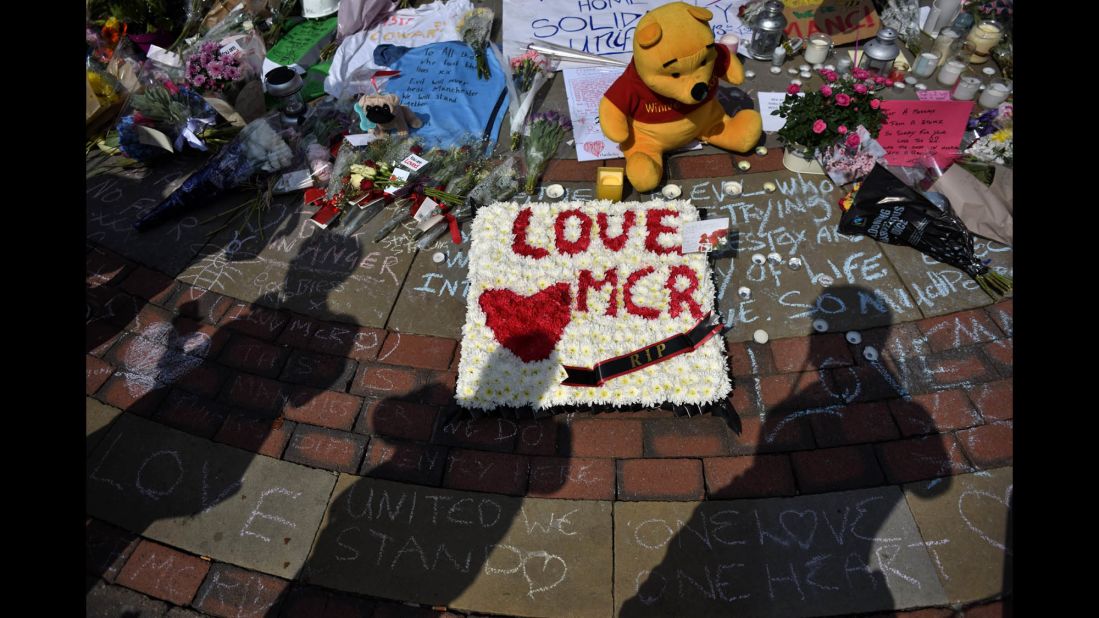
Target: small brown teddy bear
[{"x": 385, "y": 115}]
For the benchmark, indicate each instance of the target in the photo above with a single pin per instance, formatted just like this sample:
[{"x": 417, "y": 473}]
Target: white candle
[
  {"x": 994, "y": 94},
  {"x": 817, "y": 50},
  {"x": 966, "y": 88},
  {"x": 731, "y": 41},
  {"x": 926, "y": 63},
  {"x": 950, "y": 72}
]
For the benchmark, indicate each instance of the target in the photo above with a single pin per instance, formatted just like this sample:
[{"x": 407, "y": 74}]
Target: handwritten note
[
  {"x": 917, "y": 128},
  {"x": 600, "y": 27},
  {"x": 843, "y": 20},
  {"x": 585, "y": 87},
  {"x": 769, "y": 102}
]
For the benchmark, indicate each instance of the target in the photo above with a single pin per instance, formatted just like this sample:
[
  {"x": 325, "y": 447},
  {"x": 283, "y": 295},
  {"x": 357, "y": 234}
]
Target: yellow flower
[{"x": 1002, "y": 135}]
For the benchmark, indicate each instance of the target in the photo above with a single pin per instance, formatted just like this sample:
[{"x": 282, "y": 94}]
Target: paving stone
[
  {"x": 990, "y": 445},
  {"x": 319, "y": 370},
  {"x": 254, "y": 356},
  {"x": 255, "y": 321},
  {"x": 403, "y": 419},
  {"x": 938, "y": 289},
  {"x": 324, "y": 408},
  {"x": 854, "y": 424},
  {"x": 466, "y": 551},
  {"x": 958, "y": 330},
  {"x": 827, "y": 554},
  {"x": 163, "y": 572},
  {"x": 149, "y": 284},
  {"x": 304, "y": 269},
  {"x": 195, "y": 415},
  {"x": 809, "y": 353},
  {"x": 1003, "y": 313},
  {"x": 106, "y": 601},
  {"x": 693, "y": 437},
  {"x": 756, "y": 476},
  {"x": 432, "y": 288},
  {"x": 422, "y": 464},
  {"x": 571, "y": 478},
  {"x": 96, "y": 371},
  {"x": 97, "y": 416},
  {"x": 832, "y": 469},
  {"x": 232, "y": 592},
  {"x": 994, "y": 400},
  {"x": 481, "y": 471},
  {"x": 966, "y": 522},
  {"x": 934, "y": 413},
  {"x": 265, "y": 436},
  {"x": 660, "y": 479},
  {"x": 115, "y": 202},
  {"x": 333, "y": 338},
  {"x": 325, "y": 448},
  {"x": 107, "y": 548},
  {"x": 417, "y": 351},
  {"x": 602, "y": 437},
  {"x": 206, "y": 498}
]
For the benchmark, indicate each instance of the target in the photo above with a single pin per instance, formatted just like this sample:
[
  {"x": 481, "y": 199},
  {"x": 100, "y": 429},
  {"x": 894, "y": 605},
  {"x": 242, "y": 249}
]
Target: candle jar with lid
[
  {"x": 768, "y": 29},
  {"x": 879, "y": 54},
  {"x": 984, "y": 36},
  {"x": 966, "y": 88}
]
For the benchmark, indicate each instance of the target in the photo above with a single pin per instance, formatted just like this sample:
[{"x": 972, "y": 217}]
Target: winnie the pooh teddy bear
[{"x": 666, "y": 96}]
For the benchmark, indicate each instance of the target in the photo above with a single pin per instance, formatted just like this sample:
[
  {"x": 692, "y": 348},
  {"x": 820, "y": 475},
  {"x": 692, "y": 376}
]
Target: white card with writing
[
  {"x": 414, "y": 162},
  {"x": 427, "y": 208},
  {"x": 360, "y": 139},
  {"x": 293, "y": 181},
  {"x": 163, "y": 56},
  {"x": 705, "y": 236}
]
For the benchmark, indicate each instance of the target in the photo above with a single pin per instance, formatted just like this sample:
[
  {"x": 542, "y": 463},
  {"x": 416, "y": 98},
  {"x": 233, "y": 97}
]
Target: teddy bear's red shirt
[{"x": 634, "y": 98}]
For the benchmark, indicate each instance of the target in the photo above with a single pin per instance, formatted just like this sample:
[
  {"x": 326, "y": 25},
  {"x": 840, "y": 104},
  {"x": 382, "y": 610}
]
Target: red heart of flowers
[{"x": 529, "y": 326}]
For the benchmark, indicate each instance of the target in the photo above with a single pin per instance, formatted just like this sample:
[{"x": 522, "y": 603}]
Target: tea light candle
[
  {"x": 608, "y": 183},
  {"x": 996, "y": 93},
  {"x": 966, "y": 88},
  {"x": 671, "y": 192},
  {"x": 805, "y": 75},
  {"x": 926, "y": 64},
  {"x": 750, "y": 73},
  {"x": 776, "y": 70},
  {"x": 843, "y": 65},
  {"x": 743, "y": 165},
  {"x": 950, "y": 72},
  {"x": 984, "y": 36}
]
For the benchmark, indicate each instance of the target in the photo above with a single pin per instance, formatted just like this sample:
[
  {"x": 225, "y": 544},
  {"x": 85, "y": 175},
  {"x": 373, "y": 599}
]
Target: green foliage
[{"x": 803, "y": 112}]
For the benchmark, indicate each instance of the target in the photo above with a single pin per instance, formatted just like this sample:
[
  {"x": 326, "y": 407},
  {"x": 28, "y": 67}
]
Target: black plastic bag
[{"x": 891, "y": 212}]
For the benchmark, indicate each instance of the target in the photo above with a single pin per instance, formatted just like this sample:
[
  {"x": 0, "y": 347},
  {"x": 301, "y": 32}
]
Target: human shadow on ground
[
  {"x": 414, "y": 541},
  {"x": 841, "y": 553},
  {"x": 217, "y": 383}
]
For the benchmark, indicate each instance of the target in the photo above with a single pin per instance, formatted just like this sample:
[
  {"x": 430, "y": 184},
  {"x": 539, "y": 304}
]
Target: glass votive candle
[
  {"x": 843, "y": 65},
  {"x": 966, "y": 88},
  {"x": 995, "y": 92},
  {"x": 946, "y": 44},
  {"x": 926, "y": 63},
  {"x": 984, "y": 36},
  {"x": 950, "y": 72},
  {"x": 817, "y": 48}
]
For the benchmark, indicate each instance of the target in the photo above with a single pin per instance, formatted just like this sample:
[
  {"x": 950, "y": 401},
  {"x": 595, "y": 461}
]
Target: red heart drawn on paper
[
  {"x": 594, "y": 147},
  {"x": 529, "y": 326}
]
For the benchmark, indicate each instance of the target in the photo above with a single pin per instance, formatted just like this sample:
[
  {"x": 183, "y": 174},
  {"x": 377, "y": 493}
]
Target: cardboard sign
[
  {"x": 843, "y": 20},
  {"x": 918, "y": 128}
]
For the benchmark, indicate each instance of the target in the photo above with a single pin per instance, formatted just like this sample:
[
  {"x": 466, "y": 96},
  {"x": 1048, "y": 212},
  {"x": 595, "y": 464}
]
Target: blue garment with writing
[{"x": 439, "y": 83}]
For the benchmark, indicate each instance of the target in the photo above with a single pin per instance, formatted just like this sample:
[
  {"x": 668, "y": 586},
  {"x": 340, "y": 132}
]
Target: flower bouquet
[
  {"x": 544, "y": 135},
  {"x": 165, "y": 118},
  {"x": 475, "y": 27},
  {"x": 495, "y": 181},
  {"x": 988, "y": 141},
  {"x": 817, "y": 121},
  {"x": 887, "y": 210},
  {"x": 261, "y": 147},
  {"x": 528, "y": 72}
]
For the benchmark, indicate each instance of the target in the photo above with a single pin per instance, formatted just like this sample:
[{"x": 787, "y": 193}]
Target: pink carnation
[
  {"x": 853, "y": 140},
  {"x": 843, "y": 100},
  {"x": 841, "y": 129},
  {"x": 831, "y": 76},
  {"x": 859, "y": 88},
  {"x": 793, "y": 89},
  {"x": 878, "y": 79},
  {"x": 875, "y": 104},
  {"x": 860, "y": 73},
  {"x": 819, "y": 126},
  {"x": 888, "y": 82},
  {"x": 826, "y": 91}
]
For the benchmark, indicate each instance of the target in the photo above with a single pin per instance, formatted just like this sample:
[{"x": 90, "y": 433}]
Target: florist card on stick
[{"x": 918, "y": 128}]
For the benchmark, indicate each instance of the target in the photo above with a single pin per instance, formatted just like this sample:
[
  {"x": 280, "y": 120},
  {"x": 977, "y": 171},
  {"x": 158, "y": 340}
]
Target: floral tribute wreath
[{"x": 588, "y": 303}]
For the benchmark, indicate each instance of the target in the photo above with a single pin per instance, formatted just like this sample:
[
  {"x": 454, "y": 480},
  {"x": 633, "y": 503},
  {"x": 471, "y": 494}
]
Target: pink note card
[
  {"x": 918, "y": 128},
  {"x": 933, "y": 95}
]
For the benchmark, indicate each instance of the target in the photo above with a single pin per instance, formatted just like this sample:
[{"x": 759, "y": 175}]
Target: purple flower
[
  {"x": 198, "y": 80},
  {"x": 843, "y": 100},
  {"x": 215, "y": 69}
]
